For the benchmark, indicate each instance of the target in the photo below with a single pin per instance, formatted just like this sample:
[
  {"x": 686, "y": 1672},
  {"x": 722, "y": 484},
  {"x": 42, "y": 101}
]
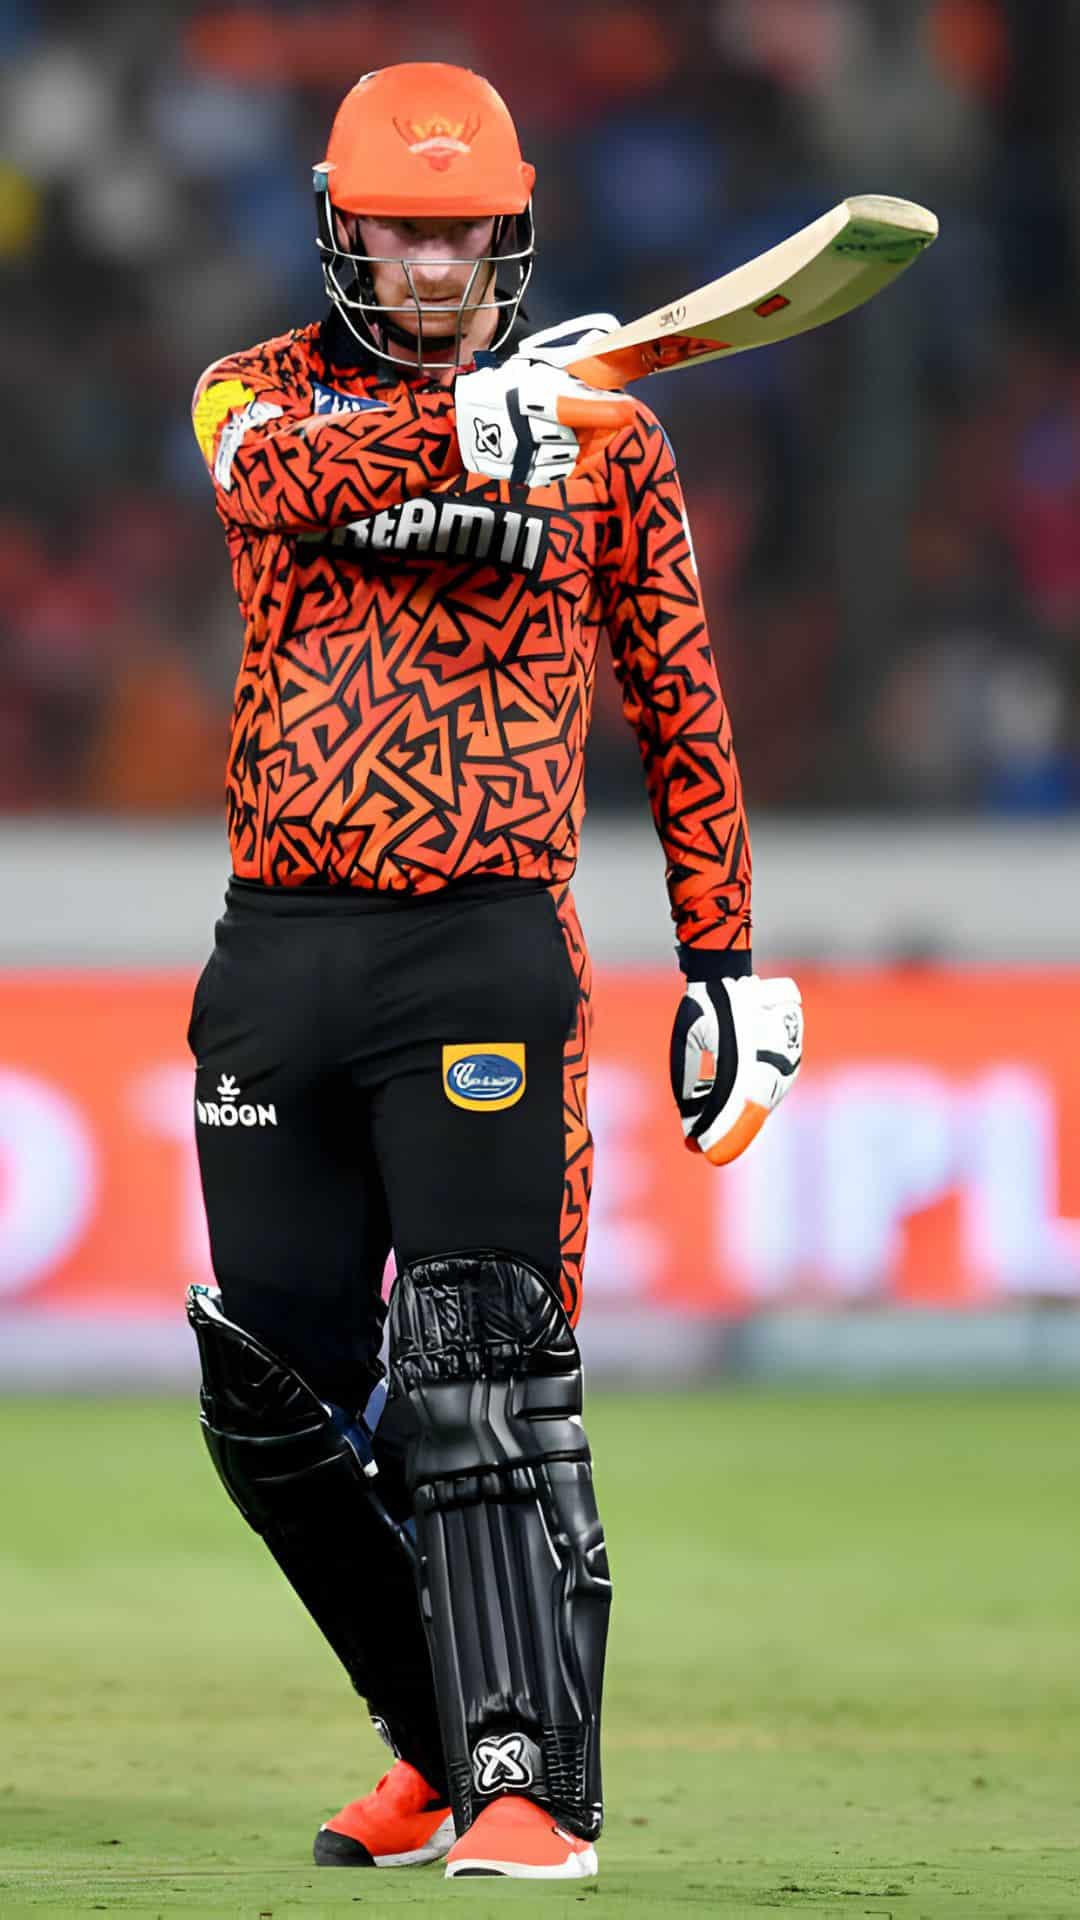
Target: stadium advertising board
[{"x": 930, "y": 1153}]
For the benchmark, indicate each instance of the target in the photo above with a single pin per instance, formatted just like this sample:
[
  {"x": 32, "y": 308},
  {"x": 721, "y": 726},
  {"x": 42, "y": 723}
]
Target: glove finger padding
[
  {"x": 569, "y": 341},
  {"x": 736, "y": 1049}
]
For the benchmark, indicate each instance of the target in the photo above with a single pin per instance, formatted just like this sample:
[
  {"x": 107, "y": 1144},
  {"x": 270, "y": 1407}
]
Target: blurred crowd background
[{"x": 885, "y": 513}]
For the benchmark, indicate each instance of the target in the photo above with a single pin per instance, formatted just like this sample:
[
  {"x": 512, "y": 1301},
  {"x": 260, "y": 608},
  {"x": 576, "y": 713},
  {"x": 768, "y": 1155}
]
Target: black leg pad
[
  {"x": 513, "y": 1567},
  {"x": 302, "y": 1473}
]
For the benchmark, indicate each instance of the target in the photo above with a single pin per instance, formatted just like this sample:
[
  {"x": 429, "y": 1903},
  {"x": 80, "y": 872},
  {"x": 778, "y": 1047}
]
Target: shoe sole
[
  {"x": 577, "y": 1866},
  {"x": 333, "y": 1849}
]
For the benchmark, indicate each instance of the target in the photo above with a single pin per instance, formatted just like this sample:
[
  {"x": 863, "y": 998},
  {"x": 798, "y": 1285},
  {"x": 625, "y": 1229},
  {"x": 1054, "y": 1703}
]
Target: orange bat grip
[
  {"x": 590, "y": 416},
  {"x": 613, "y": 369}
]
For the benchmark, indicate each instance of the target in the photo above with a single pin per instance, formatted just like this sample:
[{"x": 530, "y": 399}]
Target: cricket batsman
[{"x": 431, "y": 522}]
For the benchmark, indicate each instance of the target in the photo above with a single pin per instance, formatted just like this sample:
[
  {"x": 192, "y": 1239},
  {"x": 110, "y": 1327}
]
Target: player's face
[{"x": 438, "y": 253}]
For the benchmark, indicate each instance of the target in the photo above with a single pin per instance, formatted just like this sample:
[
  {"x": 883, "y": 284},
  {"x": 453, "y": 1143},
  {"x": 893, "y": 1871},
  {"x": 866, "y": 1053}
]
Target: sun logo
[
  {"x": 213, "y": 407},
  {"x": 440, "y": 141}
]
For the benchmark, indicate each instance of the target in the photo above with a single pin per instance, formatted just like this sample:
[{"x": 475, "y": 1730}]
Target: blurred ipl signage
[{"x": 931, "y": 1152}]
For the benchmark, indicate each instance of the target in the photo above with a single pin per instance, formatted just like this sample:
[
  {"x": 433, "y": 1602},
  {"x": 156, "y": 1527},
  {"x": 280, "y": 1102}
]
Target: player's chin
[
  {"x": 437, "y": 347},
  {"x": 441, "y": 323},
  {"x": 441, "y": 334}
]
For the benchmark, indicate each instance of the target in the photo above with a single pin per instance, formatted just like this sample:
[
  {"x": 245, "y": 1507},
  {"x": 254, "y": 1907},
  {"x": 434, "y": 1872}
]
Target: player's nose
[
  {"x": 435, "y": 276},
  {"x": 432, "y": 266}
]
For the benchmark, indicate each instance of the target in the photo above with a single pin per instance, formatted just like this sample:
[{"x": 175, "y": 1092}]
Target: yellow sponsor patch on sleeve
[
  {"x": 213, "y": 407},
  {"x": 486, "y": 1076}
]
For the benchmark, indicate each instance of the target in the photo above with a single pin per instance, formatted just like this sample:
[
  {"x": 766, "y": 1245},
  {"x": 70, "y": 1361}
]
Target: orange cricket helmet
[{"x": 424, "y": 140}]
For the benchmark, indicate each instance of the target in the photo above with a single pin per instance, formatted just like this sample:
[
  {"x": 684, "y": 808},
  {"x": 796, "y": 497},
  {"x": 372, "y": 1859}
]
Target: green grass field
[{"x": 844, "y": 1673}]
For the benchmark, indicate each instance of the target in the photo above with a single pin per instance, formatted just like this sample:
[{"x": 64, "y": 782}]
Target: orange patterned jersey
[{"x": 420, "y": 643}]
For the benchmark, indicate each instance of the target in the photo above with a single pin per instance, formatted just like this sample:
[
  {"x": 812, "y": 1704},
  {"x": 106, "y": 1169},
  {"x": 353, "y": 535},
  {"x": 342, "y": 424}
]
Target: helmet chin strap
[{"x": 392, "y": 330}]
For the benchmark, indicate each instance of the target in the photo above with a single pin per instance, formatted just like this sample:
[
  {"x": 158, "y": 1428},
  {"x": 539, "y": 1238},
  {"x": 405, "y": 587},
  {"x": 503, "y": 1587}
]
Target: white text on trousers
[{"x": 223, "y": 1113}]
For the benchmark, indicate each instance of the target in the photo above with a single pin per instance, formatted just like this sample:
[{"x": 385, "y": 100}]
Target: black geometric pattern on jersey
[{"x": 412, "y": 705}]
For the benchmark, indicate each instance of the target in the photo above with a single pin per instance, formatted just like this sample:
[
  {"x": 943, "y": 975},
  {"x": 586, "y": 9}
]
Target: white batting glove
[
  {"x": 509, "y": 423},
  {"x": 736, "y": 1050}
]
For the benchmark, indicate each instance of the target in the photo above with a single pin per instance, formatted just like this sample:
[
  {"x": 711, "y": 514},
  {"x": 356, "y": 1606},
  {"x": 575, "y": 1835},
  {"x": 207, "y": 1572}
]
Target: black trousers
[{"x": 372, "y": 1075}]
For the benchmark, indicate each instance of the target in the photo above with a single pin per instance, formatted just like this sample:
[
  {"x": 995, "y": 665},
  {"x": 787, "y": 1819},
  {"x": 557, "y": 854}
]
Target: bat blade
[{"x": 836, "y": 263}]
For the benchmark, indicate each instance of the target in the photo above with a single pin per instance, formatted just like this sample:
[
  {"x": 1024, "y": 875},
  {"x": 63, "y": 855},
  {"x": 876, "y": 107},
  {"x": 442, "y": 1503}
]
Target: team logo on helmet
[{"x": 440, "y": 141}]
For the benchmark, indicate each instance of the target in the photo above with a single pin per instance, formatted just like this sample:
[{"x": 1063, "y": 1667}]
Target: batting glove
[
  {"x": 528, "y": 420},
  {"x": 736, "y": 1050}
]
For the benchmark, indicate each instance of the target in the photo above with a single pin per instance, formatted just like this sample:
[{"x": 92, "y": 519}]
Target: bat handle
[
  {"x": 589, "y": 416},
  {"x": 612, "y": 370}
]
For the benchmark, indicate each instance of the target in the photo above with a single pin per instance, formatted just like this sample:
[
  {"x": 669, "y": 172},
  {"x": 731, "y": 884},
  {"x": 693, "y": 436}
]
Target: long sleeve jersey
[{"x": 420, "y": 643}]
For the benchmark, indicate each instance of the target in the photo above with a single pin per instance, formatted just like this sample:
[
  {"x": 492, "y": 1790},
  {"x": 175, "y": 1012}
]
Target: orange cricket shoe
[
  {"x": 402, "y": 1824},
  {"x": 519, "y": 1840}
]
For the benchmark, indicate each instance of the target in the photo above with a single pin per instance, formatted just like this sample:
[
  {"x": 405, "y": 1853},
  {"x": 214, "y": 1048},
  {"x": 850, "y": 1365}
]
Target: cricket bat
[{"x": 829, "y": 267}]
